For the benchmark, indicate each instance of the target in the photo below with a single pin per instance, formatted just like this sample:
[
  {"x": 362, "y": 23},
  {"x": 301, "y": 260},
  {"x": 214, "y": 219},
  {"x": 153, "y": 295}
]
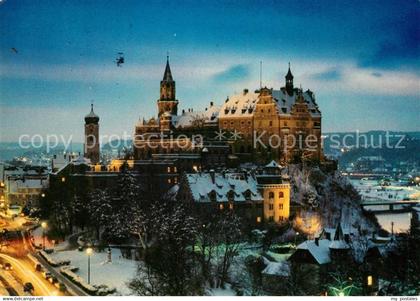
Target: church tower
[
  {"x": 289, "y": 82},
  {"x": 167, "y": 101},
  {"x": 92, "y": 136}
]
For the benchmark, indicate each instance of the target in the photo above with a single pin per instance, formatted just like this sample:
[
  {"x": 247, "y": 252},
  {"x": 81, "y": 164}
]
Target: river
[{"x": 371, "y": 190}]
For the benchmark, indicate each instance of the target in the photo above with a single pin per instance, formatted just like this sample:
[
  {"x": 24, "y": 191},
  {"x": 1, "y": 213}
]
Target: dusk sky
[{"x": 361, "y": 58}]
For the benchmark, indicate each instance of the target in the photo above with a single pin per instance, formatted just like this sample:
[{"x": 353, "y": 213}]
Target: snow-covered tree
[
  {"x": 170, "y": 267},
  {"x": 100, "y": 210},
  {"x": 229, "y": 238}
]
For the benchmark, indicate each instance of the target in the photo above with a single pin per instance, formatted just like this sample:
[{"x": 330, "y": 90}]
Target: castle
[
  {"x": 167, "y": 158},
  {"x": 281, "y": 124}
]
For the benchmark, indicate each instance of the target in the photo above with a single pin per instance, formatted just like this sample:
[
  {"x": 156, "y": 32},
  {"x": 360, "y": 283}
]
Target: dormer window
[
  {"x": 231, "y": 195},
  {"x": 212, "y": 196},
  {"x": 247, "y": 195}
]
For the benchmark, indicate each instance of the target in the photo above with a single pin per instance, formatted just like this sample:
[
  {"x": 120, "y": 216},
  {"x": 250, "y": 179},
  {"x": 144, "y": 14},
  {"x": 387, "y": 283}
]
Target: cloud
[
  {"x": 233, "y": 74},
  {"x": 369, "y": 81},
  {"x": 100, "y": 73},
  {"x": 328, "y": 75}
]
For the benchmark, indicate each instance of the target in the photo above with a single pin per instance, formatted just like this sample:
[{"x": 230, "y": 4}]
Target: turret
[{"x": 289, "y": 82}]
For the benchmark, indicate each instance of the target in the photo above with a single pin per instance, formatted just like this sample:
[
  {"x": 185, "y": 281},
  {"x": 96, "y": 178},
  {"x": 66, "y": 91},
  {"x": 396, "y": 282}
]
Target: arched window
[
  {"x": 281, "y": 194},
  {"x": 271, "y": 195}
]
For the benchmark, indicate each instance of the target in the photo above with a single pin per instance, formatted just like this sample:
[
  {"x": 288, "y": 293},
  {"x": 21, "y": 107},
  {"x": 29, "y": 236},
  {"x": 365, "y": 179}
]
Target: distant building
[
  {"x": 23, "y": 186},
  {"x": 60, "y": 160}
]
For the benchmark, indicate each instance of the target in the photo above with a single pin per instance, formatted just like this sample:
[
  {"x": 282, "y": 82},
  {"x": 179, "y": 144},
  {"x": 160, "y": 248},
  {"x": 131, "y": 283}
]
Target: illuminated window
[
  {"x": 63, "y": 179},
  {"x": 175, "y": 180},
  {"x": 281, "y": 194},
  {"x": 169, "y": 181},
  {"x": 258, "y": 219},
  {"x": 175, "y": 169},
  {"x": 169, "y": 169},
  {"x": 281, "y": 206},
  {"x": 369, "y": 280},
  {"x": 230, "y": 206},
  {"x": 221, "y": 206}
]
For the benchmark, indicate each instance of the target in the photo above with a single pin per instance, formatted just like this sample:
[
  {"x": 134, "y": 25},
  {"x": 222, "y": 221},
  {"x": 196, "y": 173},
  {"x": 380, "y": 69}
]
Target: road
[
  {"x": 18, "y": 253},
  {"x": 25, "y": 271}
]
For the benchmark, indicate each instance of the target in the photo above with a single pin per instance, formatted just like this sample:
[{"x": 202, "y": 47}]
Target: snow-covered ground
[
  {"x": 115, "y": 274},
  {"x": 37, "y": 235},
  {"x": 228, "y": 291},
  {"x": 372, "y": 190}
]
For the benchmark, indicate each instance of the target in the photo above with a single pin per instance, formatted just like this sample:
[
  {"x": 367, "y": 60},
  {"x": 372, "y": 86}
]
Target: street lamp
[
  {"x": 297, "y": 234},
  {"x": 44, "y": 226},
  {"x": 89, "y": 252}
]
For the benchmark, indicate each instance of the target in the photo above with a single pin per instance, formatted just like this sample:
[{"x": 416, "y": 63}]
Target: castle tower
[
  {"x": 289, "y": 82},
  {"x": 92, "y": 136},
  {"x": 275, "y": 189},
  {"x": 167, "y": 101}
]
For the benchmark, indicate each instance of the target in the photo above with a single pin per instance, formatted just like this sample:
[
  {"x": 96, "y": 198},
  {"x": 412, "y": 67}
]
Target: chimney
[
  {"x": 245, "y": 91},
  {"x": 183, "y": 111},
  {"x": 317, "y": 241},
  {"x": 211, "y": 103},
  {"x": 212, "y": 175}
]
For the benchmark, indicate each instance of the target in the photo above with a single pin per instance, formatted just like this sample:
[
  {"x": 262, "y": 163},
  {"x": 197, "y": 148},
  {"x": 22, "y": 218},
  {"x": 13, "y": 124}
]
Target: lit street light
[
  {"x": 44, "y": 226},
  {"x": 296, "y": 235},
  {"x": 89, "y": 252}
]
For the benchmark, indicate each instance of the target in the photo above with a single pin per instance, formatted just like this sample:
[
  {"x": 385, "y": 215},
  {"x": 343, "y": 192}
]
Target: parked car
[
  {"x": 7, "y": 266},
  {"x": 47, "y": 275},
  {"x": 38, "y": 267},
  {"x": 61, "y": 286},
  {"x": 28, "y": 287}
]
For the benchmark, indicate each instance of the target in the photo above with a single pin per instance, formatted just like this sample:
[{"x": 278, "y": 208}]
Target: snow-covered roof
[
  {"x": 187, "y": 119},
  {"x": 339, "y": 245},
  {"x": 273, "y": 164},
  {"x": 276, "y": 268},
  {"x": 201, "y": 184},
  {"x": 320, "y": 252},
  {"x": 81, "y": 160},
  {"x": 243, "y": 104}
]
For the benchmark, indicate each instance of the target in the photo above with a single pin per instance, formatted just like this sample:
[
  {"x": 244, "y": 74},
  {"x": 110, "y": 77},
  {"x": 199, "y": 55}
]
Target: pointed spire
[
  {"x": 167, "y": 76},
  {"x": 289, "y": 73},
  {"x": 338, "y": 235}
]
